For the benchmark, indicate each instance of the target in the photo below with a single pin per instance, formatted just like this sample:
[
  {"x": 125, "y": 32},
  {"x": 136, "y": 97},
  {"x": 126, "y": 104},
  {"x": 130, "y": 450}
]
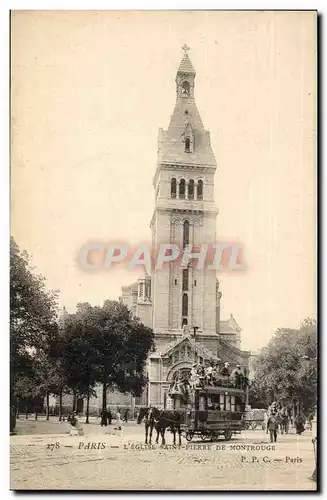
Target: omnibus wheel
[
  {"x": 214, "y": 436},
  {"x": 189, "y": 436},
  {"x": 228, "y": 435},
  {"x": 253, "y": 425},
  {"x": 204, "y": 436}
]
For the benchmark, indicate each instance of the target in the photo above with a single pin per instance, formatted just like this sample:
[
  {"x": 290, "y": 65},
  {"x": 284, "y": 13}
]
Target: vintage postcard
[{"x": 163, "y": 274}]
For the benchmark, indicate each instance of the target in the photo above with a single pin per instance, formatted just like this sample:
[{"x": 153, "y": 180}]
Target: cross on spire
[{"x": 186, "y": 48}]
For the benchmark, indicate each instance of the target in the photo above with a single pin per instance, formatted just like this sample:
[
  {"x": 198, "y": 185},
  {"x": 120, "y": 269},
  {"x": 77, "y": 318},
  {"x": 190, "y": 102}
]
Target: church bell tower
[{"x": 185, "y": 214}]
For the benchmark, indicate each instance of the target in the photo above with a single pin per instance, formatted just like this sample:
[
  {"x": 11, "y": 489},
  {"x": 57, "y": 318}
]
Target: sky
[{"x": 89, "y": 93}]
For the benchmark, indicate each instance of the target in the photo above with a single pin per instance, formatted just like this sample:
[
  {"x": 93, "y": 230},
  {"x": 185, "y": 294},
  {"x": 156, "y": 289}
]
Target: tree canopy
[
  {"x": 110, "y": 344},
  {"x": 33, "y": 318},
  {"x": 286, "y": 369}
]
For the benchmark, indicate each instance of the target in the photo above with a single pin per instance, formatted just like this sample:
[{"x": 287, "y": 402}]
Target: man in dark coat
[
  {"x": 272, "y": 427},
  {"x": 225, "y": 370}
]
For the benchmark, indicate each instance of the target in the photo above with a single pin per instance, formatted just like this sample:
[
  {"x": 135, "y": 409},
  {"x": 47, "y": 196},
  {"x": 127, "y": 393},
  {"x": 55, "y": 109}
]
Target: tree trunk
[
  {"x": 13, "y": 418},
  {"x": 87, "y": 408},
  {"x": 60, "y": 406},
  {"x": 26, "y": 411},
  {"x": 104, "y": 395},
  {"x": 47, "y": 408},
  {"x": 74, "y": 402},
  {"x": 247, "y": 396},
  {"x": 297, "y": 408},
  {"x": 17, "y": 409}
]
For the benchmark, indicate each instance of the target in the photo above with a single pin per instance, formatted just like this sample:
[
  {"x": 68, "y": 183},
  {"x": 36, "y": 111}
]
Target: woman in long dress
[
  {"x": 76, "y": 427},
  {"x": 299, "y": 421},
  {"x": 118, "y": 421}
]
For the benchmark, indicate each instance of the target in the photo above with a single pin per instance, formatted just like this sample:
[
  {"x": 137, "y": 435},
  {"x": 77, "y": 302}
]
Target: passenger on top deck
[
  {"x": 225, "y": 370},
  {"x": 201, "y": 374},
  {"x": 237, "y": 376},
  {"x": 194, "y": 377},
  {"x": 208, "y": 373}
]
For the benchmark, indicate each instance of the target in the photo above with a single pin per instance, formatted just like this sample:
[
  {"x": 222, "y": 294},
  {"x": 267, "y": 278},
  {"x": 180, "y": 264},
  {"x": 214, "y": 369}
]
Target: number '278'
[{"x": 52, "y": 446}]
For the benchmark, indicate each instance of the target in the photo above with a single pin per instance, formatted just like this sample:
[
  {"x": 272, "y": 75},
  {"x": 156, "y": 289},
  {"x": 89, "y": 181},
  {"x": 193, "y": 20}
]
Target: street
[{"x": 44, "y": 456}]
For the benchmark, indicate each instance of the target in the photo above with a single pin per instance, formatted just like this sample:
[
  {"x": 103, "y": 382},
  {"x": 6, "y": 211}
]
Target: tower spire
[
  {"x": 185, "y": 67},
  {"x": 185, "y": 76}
]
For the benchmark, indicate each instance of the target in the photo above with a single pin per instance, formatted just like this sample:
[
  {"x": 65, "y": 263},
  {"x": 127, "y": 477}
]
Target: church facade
[{"x": 181, "y": 302}]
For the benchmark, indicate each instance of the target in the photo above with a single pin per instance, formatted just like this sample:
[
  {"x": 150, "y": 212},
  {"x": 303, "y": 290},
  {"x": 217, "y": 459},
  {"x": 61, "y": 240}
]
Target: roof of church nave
[{"x": 229, "y": 326}]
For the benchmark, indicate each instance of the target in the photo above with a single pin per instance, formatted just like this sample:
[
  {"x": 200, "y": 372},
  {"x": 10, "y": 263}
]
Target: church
[{"x": 182, "y": 303}]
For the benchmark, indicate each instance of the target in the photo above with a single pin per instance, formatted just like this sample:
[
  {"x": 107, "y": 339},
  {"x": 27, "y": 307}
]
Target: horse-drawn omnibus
[
  {"x": 208, "y": 406},
  {"x": 210, "y": 412}
]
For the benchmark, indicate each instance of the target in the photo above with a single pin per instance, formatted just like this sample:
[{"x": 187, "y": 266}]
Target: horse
[
  {"x": 147, "y": 414},
  {"x": 283, "y": 420},
  {"x": 167, "y": 419}
]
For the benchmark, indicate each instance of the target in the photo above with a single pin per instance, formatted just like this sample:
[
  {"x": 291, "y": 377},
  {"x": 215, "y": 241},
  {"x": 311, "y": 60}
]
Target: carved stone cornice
[{"x": 179, "y": 220}]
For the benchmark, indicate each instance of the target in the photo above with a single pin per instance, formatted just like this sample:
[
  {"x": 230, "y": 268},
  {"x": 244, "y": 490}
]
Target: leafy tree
[
  {"x": 111, "y": 346},
  {"x": 33, "y": 322},
  {"x": 258, "y": 397},
  {"x": 28, "y": 390},
  {"x": 286, "y": 368},
  {"x": 51, "y": 377},
  {"x": 78, "y": 361}
]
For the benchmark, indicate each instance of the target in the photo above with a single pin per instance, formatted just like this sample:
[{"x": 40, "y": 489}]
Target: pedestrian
[
  {"x": 75, "y": 426},
  {"x": 272, "y": 427},
  {"x": 109, "y": 415},
  {"x": 104, "y": 418},
  {"x": 265, "y": 420},
  {"x": 310, "y": 419},
  {"x": 118, "y": 421},
  {"x": 125, "y": 416},
  {"x": 299, "y": 423}
]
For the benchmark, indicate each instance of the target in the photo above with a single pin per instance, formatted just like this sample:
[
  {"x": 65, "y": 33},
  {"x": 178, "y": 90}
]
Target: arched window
[
  {"x": 187, "y": 145},
  {"x": 184, "y": 322},
  {"x": 200, "y": 190},
  {"x": 186, "y": 233},
  {"x": 148, "y": 290},
  {"x": 185, "y": 279},
  {"x": 186, "y": 88},
  {"x": 191, "y": 190},
  {"x": 173, "y": 188},
  {"x": 182, "y": 189},
  {"x": 185, "y": 305}
]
